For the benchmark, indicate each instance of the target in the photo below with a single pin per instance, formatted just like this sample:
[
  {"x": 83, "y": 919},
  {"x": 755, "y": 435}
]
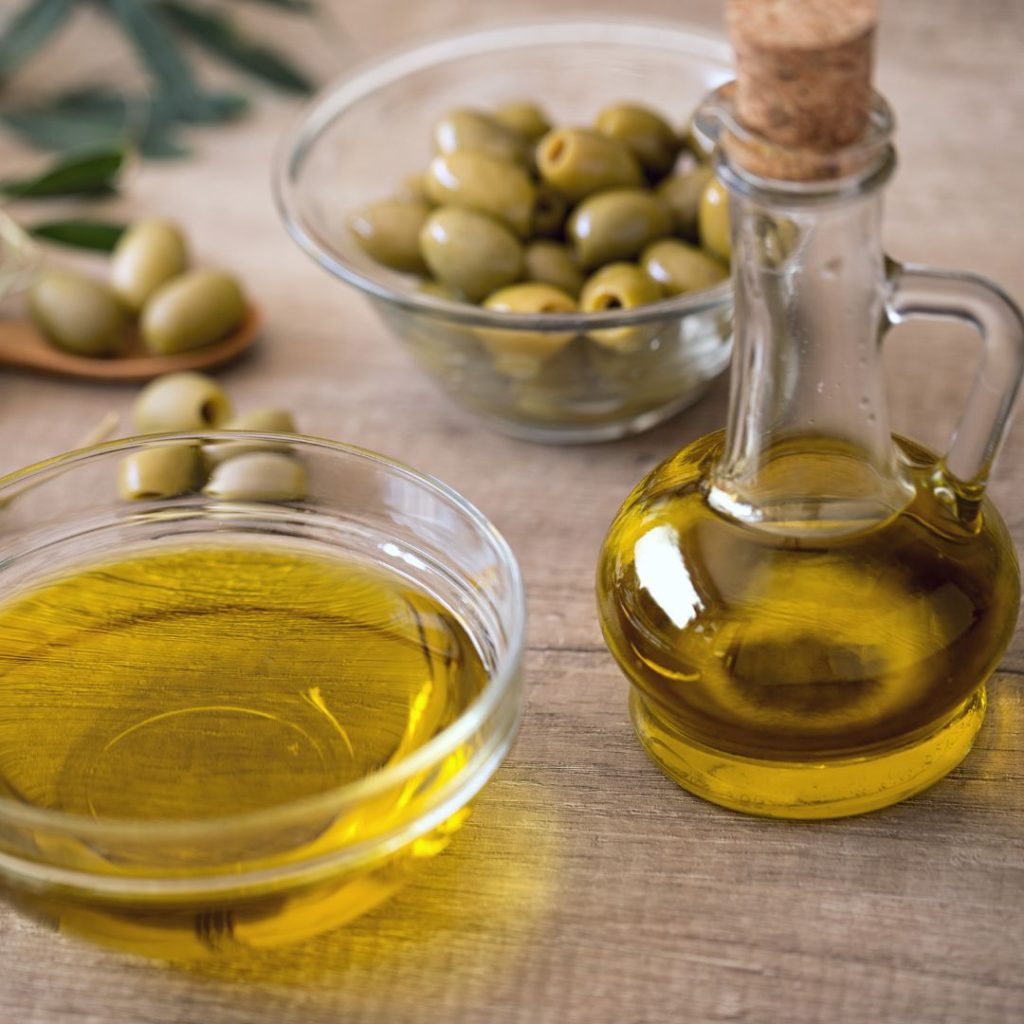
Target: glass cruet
[{"x": 806, "y": 606}]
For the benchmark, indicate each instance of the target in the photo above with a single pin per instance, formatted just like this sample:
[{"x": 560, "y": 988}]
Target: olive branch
[
  {"x": 96, "y": 128},
  {"x": 159, "y": 32}
]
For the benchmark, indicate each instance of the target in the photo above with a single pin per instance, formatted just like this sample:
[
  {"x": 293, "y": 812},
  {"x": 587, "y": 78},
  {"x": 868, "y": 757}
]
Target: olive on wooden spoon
[{"x": 156, "y": 316}]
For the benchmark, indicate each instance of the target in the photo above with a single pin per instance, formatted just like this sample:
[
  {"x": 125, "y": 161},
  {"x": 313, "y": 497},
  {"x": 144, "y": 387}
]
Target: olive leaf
[
  {"x": 94, "y": 117},
  {"x": 73, "y": 121},
  {"x": 218, "y": 35},
  {"x": 159, "y": 50},
  {"x": 155, "y": 29},
  {"x": 150, "y": 122},
  {"x": 97, "y": 99},
  {"x": 51, "y": 129},
  {"x": 159, "y": 138},
  {"x": 96, "y": 235},
  {"x": 298, "y": 6},
  {"x": 83, "y": 174},
  {"x": 27, "y": 31}
]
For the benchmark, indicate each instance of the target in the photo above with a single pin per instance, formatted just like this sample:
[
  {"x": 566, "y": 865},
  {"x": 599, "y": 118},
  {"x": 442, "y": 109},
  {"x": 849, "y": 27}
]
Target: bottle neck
[{"x": 808, "y": 442}]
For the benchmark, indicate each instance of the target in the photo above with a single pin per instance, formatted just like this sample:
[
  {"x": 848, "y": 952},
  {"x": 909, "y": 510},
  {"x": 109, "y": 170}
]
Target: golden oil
[
  {"x": 198, "y": 683},
  {"x": 806, "y": 673}
]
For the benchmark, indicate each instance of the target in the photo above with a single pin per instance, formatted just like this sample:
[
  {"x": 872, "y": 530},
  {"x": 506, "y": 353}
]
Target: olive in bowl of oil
[{"x": 232, "y": 724}]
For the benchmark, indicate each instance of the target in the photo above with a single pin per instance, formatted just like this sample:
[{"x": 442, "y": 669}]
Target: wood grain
[{"x": 587, "y": 889}]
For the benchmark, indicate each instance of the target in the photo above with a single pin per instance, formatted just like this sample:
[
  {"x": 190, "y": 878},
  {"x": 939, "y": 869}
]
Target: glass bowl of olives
[{"x": 531, "y": 213}]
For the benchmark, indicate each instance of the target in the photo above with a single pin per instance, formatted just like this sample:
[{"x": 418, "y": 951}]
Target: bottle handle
[{"x": 918, "y": 292}]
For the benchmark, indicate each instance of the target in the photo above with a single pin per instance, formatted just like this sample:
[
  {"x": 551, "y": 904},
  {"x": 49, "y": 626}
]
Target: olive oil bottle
[
  {"x": 194, "y": 684},
  {"x": 808, "y": 608},
  {"x": 811, "y": 672}
]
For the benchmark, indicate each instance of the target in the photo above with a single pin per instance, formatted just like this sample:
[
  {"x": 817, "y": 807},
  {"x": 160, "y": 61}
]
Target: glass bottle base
[{"x": 807, "y": 790}]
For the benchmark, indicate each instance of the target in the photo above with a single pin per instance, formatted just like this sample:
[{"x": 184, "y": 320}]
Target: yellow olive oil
[
  {"x": 805, "y": 673},
  {"x": 194, "y": 683}
]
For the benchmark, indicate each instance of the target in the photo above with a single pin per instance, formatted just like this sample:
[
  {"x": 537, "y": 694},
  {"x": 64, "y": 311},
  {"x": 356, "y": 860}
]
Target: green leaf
[
  {"x": 94, "y": 117},
  {"x": 28, "y": 31},
  {"x": 83, "y": 174},
  {"x": 298, "y": 6},
  {"x": 54, "y": 129},
  {"x": 158, "y": 48},
  {"x": 151, "y": 123},
  {"x": 85, "y": 118},
  {"x": 219, "y": 35},
  {"x": 92, "y": 99},
  {"x": 213, "y": 108},
  {"x": 159, "y": 139},
  {"x": 98, "y": 235}
]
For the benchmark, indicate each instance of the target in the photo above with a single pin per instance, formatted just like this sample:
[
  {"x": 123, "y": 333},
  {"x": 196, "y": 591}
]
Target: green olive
[
  {"x": 549, "y": 212},
  {"x": 525, "y": 119},
  {"x": 77, "y": 314},
  {"x": 700, "y": 145},
  {"x": 440, "y": 291},
  {"x": 682, "y": 192},
  {"x": 650, "y": 138},
  {"x": 462, "y": 130},
  {"x": 531, "y": 297},
  {"x": 620, "y": 286},
  {"x": 616, "y": 225},
  {"x": 662, "y": 371},
  {"x": 580, "y": 161},
  {"x": 258, "y": 476},
  {"x": 193, "y": 310},
  {"x": 413, "y": 189},
  {"x": 180, "y": 401},
  {"x": 553, "y": 263},
  {"x": 389, "y": 232},
  {"x": 260, "y": 421},
  {"x": 470, "y": 252},
  {"x": 679, "y": 267},
  {"x": 713, "y": 220},
  {"x": 444, "y": 348},
  {"x": 563, "y": 389},
  {"x": 520, "y": 353},
  {"x": 479, "y": 182},
  {"x": 778, "y": 239},
  {"x": 161, "y": 472},
  {"x": 266, "y": 421},
  {"x": 146, "y": 256}
]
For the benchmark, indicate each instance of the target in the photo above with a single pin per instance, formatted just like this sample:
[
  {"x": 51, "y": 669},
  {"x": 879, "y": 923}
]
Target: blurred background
[
  {"x": 951, "y": 120},
  {"x": 960, "y": 151}
]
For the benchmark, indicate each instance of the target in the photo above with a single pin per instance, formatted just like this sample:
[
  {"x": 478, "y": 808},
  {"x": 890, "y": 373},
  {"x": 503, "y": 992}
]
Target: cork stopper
[{"x": 803, "y": 81}]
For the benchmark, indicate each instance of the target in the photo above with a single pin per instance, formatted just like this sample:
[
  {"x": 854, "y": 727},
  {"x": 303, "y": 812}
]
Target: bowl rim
[
  {"x": 371, "y": 75},
  {"x": 502, "y": 683}
]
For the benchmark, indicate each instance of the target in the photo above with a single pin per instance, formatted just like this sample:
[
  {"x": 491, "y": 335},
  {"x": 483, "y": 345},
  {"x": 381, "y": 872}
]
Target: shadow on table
[{"x": 460, "y": 923}]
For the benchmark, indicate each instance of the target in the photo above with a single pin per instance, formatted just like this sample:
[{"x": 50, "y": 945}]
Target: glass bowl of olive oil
[{"x": 232, "y": 721}]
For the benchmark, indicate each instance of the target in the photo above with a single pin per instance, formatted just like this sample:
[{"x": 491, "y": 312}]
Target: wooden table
[{"x": 587, "y": 888}]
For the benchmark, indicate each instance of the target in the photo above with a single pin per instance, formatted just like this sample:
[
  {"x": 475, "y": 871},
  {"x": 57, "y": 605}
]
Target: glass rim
[
  {"x": 366, "y": 78},
  {"x": 857, "y": 168},
  {"x": 486, "y": 706}
]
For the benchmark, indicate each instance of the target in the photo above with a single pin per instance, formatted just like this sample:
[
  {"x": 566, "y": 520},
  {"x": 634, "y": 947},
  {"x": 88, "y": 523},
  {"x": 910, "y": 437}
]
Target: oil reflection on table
[{"x": 463, "y": 923}]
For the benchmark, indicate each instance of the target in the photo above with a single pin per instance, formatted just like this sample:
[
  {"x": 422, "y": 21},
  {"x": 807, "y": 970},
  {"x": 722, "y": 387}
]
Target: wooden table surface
[{"x": 587, "y": 888}]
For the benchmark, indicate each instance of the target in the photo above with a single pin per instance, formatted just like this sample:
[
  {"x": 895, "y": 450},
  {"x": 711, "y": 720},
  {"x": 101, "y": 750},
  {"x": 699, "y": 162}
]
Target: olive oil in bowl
[{"x": 193, "y": 684}]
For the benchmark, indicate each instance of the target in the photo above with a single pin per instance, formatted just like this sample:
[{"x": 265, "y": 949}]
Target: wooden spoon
[{"x": 21, "y": 345}]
